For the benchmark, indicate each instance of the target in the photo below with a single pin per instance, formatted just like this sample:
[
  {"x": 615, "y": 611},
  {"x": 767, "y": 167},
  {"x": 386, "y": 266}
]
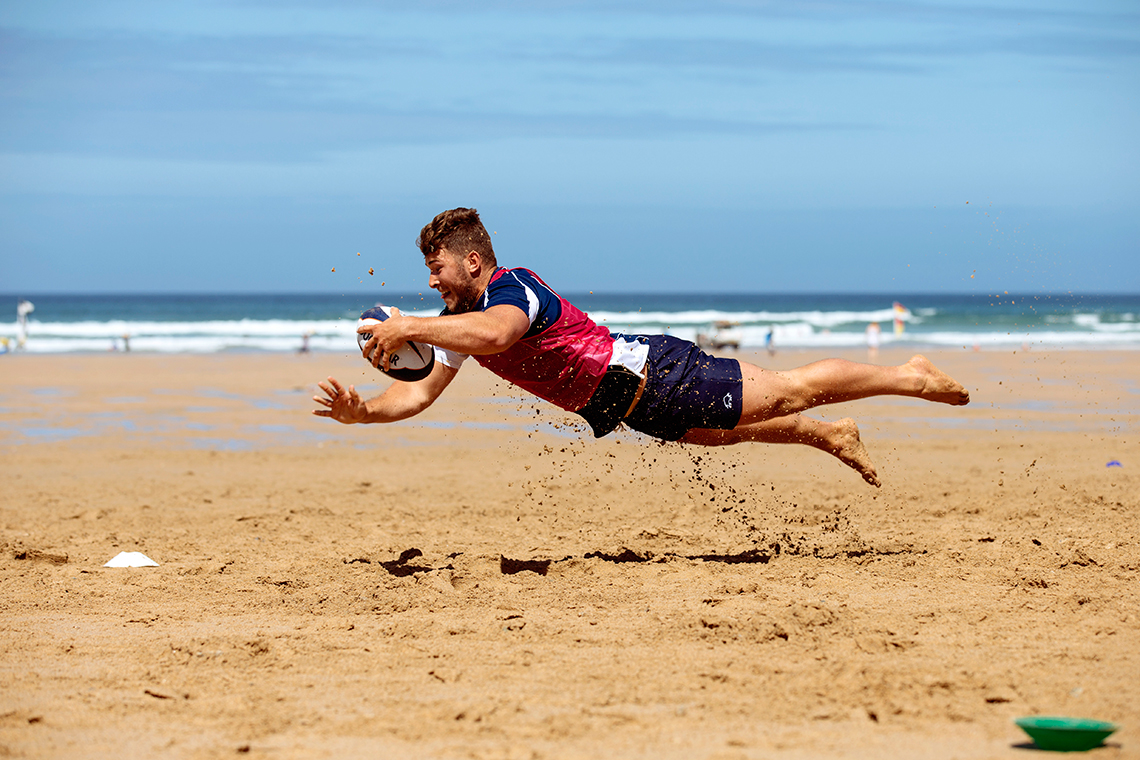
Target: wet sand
[{"x": 485, "y": 581}]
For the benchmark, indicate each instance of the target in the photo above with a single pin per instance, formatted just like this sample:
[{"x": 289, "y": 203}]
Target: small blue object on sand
[{"x": 1114, "y": 463}]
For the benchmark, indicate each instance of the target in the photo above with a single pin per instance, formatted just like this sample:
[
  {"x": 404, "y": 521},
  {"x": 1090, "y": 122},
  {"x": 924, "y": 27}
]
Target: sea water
[{"x": 286, "y": 323}]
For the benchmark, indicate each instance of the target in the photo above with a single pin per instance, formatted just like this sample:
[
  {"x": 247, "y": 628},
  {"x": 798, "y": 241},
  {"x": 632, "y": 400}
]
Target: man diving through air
[{"x": 523, "y": 331}]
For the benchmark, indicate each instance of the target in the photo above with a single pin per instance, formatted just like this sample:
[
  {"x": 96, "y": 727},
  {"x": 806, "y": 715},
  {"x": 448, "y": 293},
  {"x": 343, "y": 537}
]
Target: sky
[{"x": 643, "y": 146}]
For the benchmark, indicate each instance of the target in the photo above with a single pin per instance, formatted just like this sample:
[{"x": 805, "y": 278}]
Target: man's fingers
[
  {"x": 369, "y": 351},
  {"x": 366, "y": 349},
  {"x": 334, "y": 390},
  {"x": 343, "y": 405},
  {"x": 379, "y": 356}
]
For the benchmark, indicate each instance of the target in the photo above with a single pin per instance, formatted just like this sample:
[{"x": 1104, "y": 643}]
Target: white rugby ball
[{"x": 414, "y": 361}]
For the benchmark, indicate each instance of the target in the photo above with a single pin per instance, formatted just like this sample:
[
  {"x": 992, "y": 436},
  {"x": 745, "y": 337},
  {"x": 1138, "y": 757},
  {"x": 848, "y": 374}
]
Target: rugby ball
[{"x": 414, "y": 361}]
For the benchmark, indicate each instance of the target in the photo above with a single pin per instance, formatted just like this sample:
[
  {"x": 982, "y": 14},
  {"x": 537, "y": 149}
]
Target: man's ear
[{"x": 474, "y": 263}]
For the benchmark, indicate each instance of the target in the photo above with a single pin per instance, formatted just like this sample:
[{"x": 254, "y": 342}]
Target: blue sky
[{"x": 612, "y": 146}]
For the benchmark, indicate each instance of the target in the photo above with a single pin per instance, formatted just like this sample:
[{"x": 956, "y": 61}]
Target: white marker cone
[{"x": 131, "y": 559}]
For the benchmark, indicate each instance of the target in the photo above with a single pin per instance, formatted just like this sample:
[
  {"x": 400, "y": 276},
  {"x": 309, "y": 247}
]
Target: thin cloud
[
  {"x": 303, "y": 136},
  {"x": 296, "y": 97},
  {"x": 778, "y": 55},
  {"x": 293, "y": 99}
]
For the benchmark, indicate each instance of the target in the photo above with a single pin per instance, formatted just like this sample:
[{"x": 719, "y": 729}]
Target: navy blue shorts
[{"x": 685, "y": 388}]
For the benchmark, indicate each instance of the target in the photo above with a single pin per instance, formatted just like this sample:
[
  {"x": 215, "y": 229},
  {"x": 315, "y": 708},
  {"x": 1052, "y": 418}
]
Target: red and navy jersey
[
  {"x": 524, "y": 289},
  {"x": 561, "y": 357}
]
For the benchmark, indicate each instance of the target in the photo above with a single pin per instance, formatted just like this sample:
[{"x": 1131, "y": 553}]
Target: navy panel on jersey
[{"x": 511, "y": 286}]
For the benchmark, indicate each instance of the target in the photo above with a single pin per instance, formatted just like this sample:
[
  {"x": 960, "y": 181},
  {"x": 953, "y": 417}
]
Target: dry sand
[{"x": 485, "y": 581}]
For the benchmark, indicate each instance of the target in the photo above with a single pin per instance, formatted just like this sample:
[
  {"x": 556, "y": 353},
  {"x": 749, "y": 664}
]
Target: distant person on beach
[
  {"x": 769, "y": 341},
  {"x": 874, "y": 334},
  {"x": 514, "y": 324},
  {"x": 23, "y": 309}
]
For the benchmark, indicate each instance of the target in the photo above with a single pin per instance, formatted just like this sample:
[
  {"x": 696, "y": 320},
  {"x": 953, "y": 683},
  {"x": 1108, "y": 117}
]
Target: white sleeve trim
[
  {"x": 531, "y": 299},
  {"x": 452, "y": 359}
]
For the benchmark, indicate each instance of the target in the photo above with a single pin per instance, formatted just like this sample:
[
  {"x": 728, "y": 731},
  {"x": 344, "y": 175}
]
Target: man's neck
[{"x": 484, "y": 281}]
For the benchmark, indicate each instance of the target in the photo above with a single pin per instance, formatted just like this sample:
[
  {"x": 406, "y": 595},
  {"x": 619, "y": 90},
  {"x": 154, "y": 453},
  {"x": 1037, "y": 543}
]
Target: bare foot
[
  {"x": 937, "y": 386},
  {"x": 846, "y": 445}
]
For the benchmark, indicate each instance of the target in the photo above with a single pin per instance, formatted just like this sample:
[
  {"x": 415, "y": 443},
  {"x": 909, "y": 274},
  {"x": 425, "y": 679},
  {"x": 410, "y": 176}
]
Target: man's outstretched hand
[{"x": 341, "y": 405}]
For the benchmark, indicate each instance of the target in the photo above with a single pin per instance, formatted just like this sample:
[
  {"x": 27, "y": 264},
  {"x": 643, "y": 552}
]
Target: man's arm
[
  {"x": 479, "y": 332},
  {"x": 398, "y": 402}
]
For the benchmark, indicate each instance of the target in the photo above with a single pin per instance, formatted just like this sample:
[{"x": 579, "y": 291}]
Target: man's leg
[
  {"x": 840, "y": 439},
  {"x": 769, "y": 394}
]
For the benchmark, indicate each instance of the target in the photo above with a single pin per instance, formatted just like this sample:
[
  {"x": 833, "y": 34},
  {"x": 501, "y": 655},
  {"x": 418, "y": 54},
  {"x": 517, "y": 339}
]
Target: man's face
[{"x": 452, "y": 278}]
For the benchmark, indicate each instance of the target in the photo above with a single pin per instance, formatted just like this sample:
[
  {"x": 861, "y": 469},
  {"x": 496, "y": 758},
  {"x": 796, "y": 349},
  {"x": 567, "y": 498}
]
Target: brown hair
[{"x": 459, "y": 231}]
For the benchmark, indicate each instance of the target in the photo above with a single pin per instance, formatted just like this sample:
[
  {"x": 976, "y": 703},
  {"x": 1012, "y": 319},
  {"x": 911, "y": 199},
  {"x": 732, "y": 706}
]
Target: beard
[{"x": 466, "y": 296}]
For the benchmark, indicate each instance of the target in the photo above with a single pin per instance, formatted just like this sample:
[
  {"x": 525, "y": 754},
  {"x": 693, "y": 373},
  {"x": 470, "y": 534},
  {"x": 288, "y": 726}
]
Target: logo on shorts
[{"x": 728, "y": 401}]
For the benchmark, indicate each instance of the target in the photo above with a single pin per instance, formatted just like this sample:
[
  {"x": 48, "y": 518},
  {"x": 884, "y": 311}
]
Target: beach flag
[{"x": 900, "y": 322}]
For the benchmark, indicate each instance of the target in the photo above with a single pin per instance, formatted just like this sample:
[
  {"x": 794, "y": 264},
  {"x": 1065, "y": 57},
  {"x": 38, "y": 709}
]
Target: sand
[{"x": 485, "y": 581}]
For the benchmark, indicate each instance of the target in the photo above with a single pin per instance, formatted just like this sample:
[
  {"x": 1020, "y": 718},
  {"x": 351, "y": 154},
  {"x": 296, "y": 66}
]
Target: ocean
[{"x": 277, "y": 323}]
